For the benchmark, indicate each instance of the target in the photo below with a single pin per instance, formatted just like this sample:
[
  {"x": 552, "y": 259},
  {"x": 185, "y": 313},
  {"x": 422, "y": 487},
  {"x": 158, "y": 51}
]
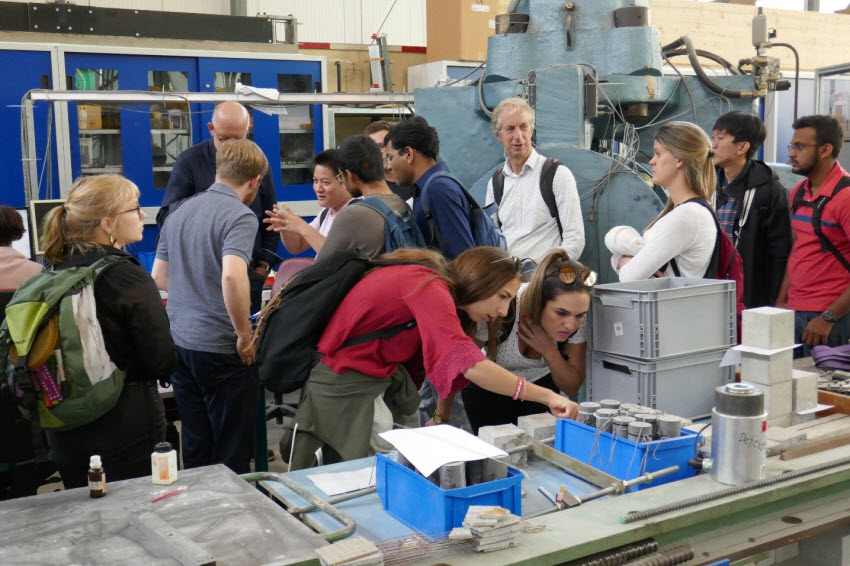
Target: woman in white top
[
  {"x": 296, "y": 234},
  {"x": 546, "y": 344},
  {"x": 684, "y": 231}
]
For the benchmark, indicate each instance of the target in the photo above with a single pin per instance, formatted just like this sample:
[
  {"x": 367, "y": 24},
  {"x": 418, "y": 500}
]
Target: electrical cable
[
  {"x": 390, "y": 11},
  {"x": 688, "y": 88},
  {"x": 796, "y": 72},
  {"x": 707, "y": 55},
  {"x": 704, "y": 78}
]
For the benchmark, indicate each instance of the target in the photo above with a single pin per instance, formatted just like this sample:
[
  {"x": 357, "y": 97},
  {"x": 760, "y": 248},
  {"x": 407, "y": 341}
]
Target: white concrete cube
[
  {"x": 767, "y": 327},
  {"x": 506, "y": 436},
  {"x": 538, "y": 427},
  {"x": 804, "y": 392},
  {"x": 777, "y": 399},
  {"x": 800, "y": 418},
  {"x": 779, "y": 422},
  {"x": 767, "y": 370},
  {"x": 787, "y": 552}
]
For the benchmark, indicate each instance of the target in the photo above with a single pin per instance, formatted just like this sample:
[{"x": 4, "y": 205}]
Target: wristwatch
[
  {"x": 440, "y": 420},
  {"x": 828, "y": 316}
]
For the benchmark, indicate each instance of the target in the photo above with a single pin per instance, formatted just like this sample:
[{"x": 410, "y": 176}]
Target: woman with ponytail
[
  {"x": 546, "y": 344},
  {"x": 680, "y": 242},
  {"x": 446, "y": 301},
  {"x": 100, "y": 216}
]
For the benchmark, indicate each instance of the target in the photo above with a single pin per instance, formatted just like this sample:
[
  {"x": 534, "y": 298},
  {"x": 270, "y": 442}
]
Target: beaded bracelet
[{"x": 520, "y": 381}]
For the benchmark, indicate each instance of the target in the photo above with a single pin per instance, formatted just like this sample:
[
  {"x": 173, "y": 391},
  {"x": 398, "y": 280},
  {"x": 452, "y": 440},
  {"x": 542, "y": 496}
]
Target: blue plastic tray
[
  {"x": 423, "y": 506},
  {"x": 622, "y": 458}
]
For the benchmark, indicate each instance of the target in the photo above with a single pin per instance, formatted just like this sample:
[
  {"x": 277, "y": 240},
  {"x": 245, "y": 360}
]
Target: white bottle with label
[{"x": 164, "y": 464}]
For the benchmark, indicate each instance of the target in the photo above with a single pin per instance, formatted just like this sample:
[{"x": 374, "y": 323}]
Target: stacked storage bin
[{"x": 659, "y": 343}]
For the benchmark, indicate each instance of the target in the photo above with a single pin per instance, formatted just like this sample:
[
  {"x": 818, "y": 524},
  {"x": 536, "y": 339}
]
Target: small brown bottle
[{"x": 97, "y": 477}]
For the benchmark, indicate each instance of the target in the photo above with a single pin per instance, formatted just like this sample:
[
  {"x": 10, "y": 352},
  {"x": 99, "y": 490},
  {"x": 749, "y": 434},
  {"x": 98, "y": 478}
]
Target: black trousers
[
  {"x": 485, "y": 408},
  {"x": 124, "y": 438},
  {"x": 216, "y": 397}
]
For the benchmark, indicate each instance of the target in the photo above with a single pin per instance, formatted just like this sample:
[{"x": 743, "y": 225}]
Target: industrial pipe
[
  {"x": 320, "y": 504},
  {"x": 712, "y": 86}
]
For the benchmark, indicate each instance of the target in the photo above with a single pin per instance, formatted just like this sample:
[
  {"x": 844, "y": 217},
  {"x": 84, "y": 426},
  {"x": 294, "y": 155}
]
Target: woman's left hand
[
  {"x": 536, "y": 338},
  {"x": 562, "y": 407}
]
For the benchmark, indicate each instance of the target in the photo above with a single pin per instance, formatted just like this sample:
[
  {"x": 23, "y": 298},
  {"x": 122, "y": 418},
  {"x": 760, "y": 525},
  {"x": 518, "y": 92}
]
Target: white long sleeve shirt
[
  {"x": 686, "y": 233},
  {"x": 524, "y": 217}
]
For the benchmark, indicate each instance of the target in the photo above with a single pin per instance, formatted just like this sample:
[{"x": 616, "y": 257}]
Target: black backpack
[
  {"x": 290, "y": 326},
  {"x": 547, "y": 179},
  {"x": 817, "y": 206}
]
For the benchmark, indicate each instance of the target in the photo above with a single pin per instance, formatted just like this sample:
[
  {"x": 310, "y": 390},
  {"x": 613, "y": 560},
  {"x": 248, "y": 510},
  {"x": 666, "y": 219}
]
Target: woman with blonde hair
[
  {"x": 546, "y": 342},
  {"x": 680, "y": 241},
  {"x": 100, "y": 216},
  {"x": 446, "y": 301}
]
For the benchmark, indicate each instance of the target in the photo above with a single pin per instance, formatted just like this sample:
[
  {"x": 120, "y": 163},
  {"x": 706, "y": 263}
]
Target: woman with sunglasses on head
[
  {"x": 680, "y": 241},
  {"x": 100, "y": 216},
  {"x": 296, "y": 234},
  {"x": 546, "y": 342},
  {"x": 446, "y": 301}
]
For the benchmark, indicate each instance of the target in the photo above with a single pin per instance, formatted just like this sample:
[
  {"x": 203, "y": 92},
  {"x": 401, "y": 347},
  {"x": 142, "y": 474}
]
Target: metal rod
[
  {"x": 334, "y": 500},
  {"x": 131, "y": 96},
  {"x": 321, "y": 504}
]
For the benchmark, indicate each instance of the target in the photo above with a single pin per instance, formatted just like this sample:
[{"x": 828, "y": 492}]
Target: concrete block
[
  {"x": 538, "y": 427},
  {"x": 767, "y": 370},
  {"x": 781, "y": 421},
  {"x": 767, "y": 327},
  {"x": 787, "y": 552},
  {"x": 506, "y": 436},
  {"x": 781, "y": 439},
  {"x": 804, "y": 390},
  {"x": 797, "y": 418},
  {"x": 777, "y": 399}
]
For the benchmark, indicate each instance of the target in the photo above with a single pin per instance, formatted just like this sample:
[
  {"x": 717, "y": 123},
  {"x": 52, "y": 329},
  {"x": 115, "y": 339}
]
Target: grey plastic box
[
  {"x": 663, "y": 317},
  {"x": 680, "y": 385}
]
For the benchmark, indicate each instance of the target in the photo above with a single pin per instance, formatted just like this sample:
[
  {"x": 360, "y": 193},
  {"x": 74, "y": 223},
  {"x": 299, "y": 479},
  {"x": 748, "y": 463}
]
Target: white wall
[{"x": 350, "y": 21}]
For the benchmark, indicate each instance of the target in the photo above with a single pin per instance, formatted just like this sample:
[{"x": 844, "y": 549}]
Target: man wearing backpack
[
  {"x": 539, "y": 208},
  {"x": 751, "y": 205},
  {"x": 817, "y": 280},
  {"x": 201, "y": 260},
  {"x": 364, "y": 224},
  {"x": 440, "y": 203}
]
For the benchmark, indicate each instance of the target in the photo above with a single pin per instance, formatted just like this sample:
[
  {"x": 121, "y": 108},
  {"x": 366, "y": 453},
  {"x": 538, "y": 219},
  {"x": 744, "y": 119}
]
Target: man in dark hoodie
[{"x": 752, "y": 206}]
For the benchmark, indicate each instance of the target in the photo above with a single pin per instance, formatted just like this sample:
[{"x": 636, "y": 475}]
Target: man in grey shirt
[
  {"x": 201, "y": 260},
  {"x": 358, "y": 225}
]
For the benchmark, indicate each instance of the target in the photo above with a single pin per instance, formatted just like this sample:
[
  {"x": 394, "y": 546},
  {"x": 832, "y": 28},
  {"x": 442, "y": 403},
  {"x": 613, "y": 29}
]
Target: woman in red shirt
[{"x": 446, "y": 300}]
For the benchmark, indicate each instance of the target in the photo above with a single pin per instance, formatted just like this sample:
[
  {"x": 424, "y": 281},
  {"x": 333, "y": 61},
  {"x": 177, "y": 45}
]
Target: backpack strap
[
  {"x": 388, "y": 332},
  {"x": 743, "y": 214},
  {"x": 547, "y": 181},
  {"x": 426, "y": 210},
  {"x": 817, "y": 206},
  {"x": 323, "y": 215}
]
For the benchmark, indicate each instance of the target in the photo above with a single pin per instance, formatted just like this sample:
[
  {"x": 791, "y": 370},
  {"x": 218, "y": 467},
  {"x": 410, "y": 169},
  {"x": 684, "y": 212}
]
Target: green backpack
[{"x": 52, "y": 349}]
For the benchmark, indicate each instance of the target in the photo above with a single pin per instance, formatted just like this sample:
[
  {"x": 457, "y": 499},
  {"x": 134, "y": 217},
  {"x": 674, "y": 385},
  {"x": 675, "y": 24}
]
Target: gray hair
[{"x": 510, "y": 104}]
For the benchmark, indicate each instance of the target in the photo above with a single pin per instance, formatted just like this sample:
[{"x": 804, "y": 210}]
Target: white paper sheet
[
  {"x": 430, "y": 447},
  {"x": 344, "y": 482},
  {"x": 733, "y": 354},
  {"x": 817, "y": 409}
]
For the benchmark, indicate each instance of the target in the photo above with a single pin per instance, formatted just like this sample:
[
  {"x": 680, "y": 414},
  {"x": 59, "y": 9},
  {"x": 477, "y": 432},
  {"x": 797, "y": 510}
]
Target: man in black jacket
[
  {"x": 194, "y": 172},
  {"x": 752, "y": 206}
]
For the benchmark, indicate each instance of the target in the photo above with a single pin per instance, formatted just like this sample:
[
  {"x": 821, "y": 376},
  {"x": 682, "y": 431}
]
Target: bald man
[{"x": 194, "y": 172}]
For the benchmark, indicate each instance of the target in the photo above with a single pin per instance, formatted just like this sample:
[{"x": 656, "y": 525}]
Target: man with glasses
[
  {"x": 752, "y": 206},
  {"x": 411, "y": 153},
  {"x": 817, "y": 280},
  {"x": 378, "y": 132},
  {"x": 539, "y": 208},
  {"x": 194, "y": 172}
]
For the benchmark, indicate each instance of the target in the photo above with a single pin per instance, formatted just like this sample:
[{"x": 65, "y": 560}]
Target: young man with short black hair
[
  {"x": 817, "y": 279},
  {"x": 752, "y": 206}
]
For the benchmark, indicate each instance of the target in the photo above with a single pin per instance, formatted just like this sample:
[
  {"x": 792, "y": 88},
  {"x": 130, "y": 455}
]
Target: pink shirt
[{"x": 15, "y": 268}]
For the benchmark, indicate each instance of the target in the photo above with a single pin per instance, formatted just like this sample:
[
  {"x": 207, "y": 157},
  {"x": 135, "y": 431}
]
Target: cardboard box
[
  {"x": 89, "y": 117},
  {"x": 458, "y": 29}
]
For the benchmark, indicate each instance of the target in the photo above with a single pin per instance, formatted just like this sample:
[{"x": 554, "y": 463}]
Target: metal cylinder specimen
[{"x": 738, "y": 426}]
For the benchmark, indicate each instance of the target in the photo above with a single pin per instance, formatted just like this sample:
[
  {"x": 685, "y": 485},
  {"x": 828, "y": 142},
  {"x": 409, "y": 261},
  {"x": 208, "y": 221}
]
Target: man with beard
[
  {"x": 817, "y": 280},
  {"x": 359, "y": 225}
]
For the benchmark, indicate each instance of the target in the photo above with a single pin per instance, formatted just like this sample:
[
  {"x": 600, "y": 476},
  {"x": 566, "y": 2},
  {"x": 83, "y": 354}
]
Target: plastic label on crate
[{"x": 618, "y": 329}]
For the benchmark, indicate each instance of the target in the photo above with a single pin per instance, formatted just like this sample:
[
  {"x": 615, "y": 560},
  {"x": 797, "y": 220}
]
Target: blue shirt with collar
[{"x": 450, "y": 210}]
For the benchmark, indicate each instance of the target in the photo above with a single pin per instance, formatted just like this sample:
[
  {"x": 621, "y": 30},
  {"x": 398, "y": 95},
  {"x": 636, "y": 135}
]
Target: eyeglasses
[
  {"x": 389, "y": 158},
  {"x": 525, "y": 265},
  {"x": 567, "y": 275},
  {"x": 801, "y": 146},
  {"x": 339, "y": 178},
  {"x": 137, "y": 210}
]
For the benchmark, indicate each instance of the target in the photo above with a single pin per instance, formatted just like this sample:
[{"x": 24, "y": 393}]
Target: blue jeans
[
  {"x": 839, "y": 335},
  {"x": 216, "y": 397}
]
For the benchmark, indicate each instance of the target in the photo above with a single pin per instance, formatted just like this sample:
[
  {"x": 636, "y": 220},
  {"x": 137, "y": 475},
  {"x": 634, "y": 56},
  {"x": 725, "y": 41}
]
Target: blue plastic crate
[
  {"x": 424, "y": 507},
  {"x": 623, "y": 458}
]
